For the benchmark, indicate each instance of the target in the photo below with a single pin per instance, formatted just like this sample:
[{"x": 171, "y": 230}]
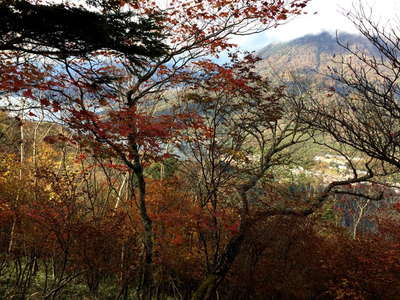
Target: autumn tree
[
  {"x": 248, "y": 133},
  {"x": 251, "y": 129},
  {"x": 102, "y": 84}
]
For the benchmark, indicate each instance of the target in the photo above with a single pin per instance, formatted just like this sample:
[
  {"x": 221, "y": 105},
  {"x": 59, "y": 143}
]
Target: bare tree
[{"x": 363, "y": 111}]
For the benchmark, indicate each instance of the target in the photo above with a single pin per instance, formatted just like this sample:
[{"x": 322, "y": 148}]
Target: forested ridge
[{"x": 133, "y": 165}]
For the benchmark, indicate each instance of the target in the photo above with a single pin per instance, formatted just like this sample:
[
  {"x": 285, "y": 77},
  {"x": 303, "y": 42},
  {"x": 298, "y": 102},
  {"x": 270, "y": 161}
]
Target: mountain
[{"x": 309, "y": 55}]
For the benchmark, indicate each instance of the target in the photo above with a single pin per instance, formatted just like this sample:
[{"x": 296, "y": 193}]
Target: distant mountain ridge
[{"x": 309, "y": 54}]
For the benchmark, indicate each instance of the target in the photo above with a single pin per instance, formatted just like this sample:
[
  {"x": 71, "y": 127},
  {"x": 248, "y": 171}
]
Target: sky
[{"x": 328, "y": 17}]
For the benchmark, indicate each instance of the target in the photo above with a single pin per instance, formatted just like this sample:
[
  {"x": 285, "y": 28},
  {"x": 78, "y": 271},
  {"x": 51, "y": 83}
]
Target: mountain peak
[
  {"x": 323, "y": 42},
  {"x": 311, "y": 53}
]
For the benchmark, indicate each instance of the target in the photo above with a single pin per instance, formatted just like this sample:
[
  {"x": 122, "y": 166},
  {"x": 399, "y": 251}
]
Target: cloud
[{"x": 329, "y": 16}]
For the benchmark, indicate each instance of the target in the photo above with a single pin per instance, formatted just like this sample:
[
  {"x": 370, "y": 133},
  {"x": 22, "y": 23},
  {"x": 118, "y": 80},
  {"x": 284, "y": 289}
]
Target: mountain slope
[{"x": 309, "y": 55}]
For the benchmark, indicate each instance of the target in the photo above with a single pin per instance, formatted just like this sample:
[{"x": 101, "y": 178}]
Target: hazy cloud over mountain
[{"x": 323, "y": 15}]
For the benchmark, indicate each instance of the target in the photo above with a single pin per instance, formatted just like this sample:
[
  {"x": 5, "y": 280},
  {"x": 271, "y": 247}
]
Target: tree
[
  {"x": 105, "y": 87},
  {"x": 249, "y": 132},
  {"x": 57, "y": 31},
  {"x": 363, "y": 112}
]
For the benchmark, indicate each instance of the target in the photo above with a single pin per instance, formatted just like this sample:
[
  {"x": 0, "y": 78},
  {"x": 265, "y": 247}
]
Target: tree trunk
[
  {"x": 147, "y": 279},
  {"x": 208, "y": 286},
  {"x": 21, "y": 161}
]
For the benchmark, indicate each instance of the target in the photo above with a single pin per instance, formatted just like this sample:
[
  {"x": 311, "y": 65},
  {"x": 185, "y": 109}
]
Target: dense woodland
[{"x": 134, "y": 166}]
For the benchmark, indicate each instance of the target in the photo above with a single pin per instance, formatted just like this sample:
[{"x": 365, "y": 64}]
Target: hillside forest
[{"x": 135, "y": 165}]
